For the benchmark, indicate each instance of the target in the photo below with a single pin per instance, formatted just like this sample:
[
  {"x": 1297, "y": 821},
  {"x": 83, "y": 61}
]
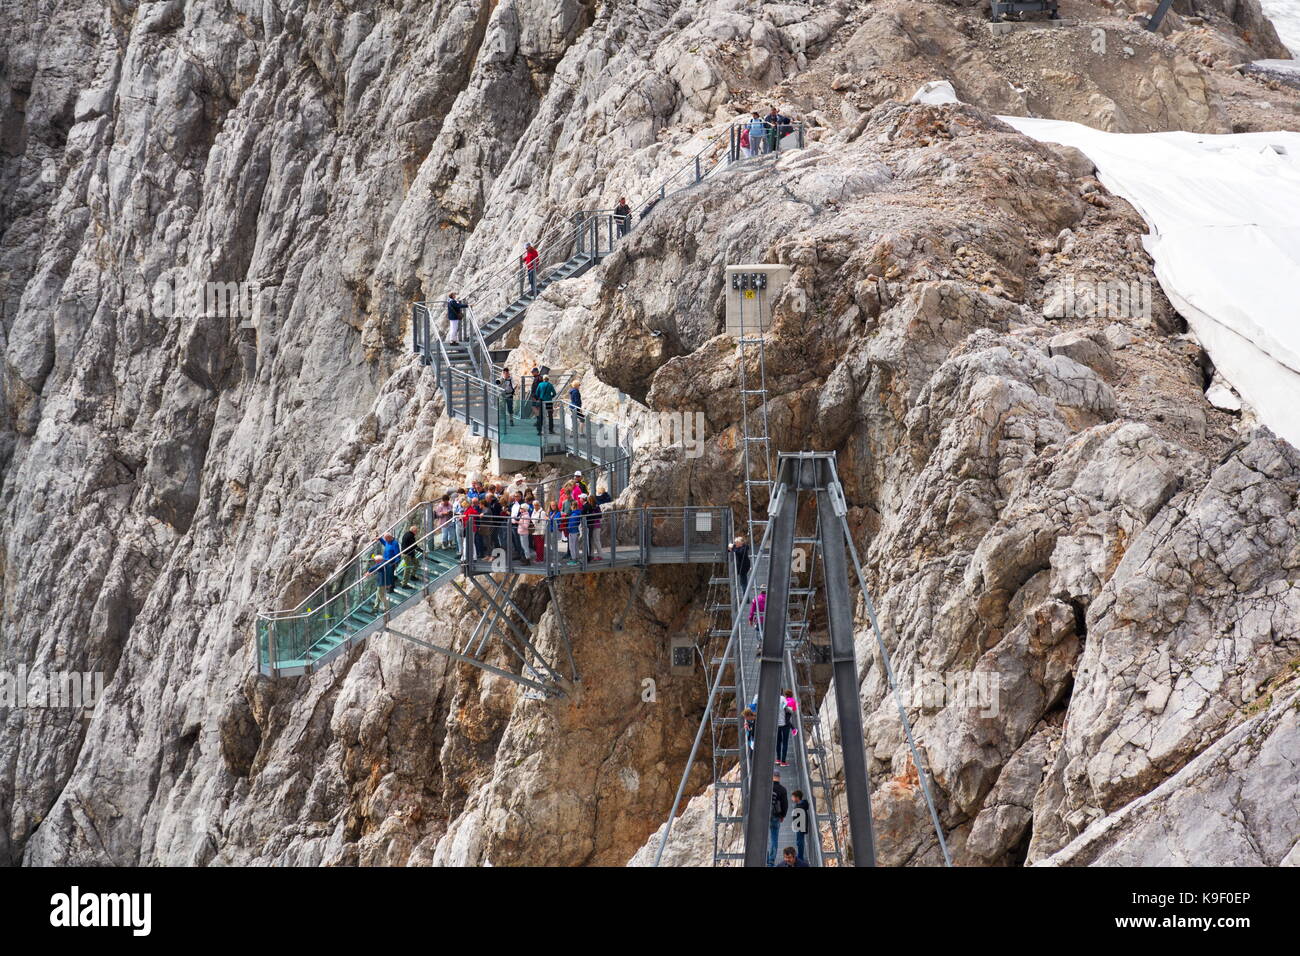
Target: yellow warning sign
[{"x": 749, "y": 293}]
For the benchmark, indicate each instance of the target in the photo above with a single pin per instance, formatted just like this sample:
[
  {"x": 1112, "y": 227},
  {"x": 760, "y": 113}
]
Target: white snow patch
[
  {"x": 1285, "y": 15},
  {"x": 1224, "y": 213},
  {"x": 936, "y": 93}
]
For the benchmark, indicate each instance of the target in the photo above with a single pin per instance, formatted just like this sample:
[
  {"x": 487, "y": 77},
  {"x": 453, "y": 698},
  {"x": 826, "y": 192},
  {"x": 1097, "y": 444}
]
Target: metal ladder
[
  {"x": 727, "y": 734},
  {"x": 740, "y": 673}
]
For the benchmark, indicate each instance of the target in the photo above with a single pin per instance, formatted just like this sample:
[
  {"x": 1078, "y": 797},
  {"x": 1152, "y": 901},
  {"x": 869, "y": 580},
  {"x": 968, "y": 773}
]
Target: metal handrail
[
  {"x": 486, "y": 367},
  {"x": 643, "y": 524},
  {"x": 725, "y": 146},
  {"x": 273, "y": 618},
  {"x": 343, "y": 566},
  {"x": 513, "y": 275}
]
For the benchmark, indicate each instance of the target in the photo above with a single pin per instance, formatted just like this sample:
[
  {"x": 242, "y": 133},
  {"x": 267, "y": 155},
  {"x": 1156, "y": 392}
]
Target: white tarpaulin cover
[{"x": 1224, "y": 213}]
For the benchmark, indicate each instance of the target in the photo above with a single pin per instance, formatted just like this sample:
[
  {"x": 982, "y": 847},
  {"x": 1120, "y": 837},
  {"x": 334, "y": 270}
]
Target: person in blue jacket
[
  {"x": 575, "y": 400},
  {"x": 757, "y": 135},
  {"x": 545, "y": 401},
  {"x": 575, "y": 534},
  {"x": 385, "y": 556}
]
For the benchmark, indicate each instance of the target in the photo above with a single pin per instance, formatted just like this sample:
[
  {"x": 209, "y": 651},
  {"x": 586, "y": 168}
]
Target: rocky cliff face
[{"x": 1052, "y": 501}]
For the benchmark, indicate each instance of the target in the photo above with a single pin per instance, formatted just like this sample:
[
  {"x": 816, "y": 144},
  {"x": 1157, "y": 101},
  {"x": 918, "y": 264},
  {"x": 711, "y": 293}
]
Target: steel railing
[
  {"x": 286, "y": 635},
  {"x": 596, "y": 232},
  {"x": 635, "y": 537},
  {"x": 630, "y": 536}
]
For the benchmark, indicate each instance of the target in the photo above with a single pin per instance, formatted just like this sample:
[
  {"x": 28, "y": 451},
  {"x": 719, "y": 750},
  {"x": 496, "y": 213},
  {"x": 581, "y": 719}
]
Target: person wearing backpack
[
  {"x": 780, "y": 806},
  {"x": 785, "y": 727},
  {"x": 545, "y": 402},
  {"x": 410, "y": 554}
]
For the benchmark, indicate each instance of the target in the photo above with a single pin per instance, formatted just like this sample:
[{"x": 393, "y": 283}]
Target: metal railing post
[{"x": 697, "y": 168}]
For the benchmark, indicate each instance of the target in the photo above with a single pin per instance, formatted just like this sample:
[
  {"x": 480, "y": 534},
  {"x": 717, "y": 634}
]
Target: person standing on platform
[
  {"x": 623, "y": 216},
  {"x": 575, "y": 400},
  {"x": 524, "y": 526},
  {"x": 740, "y": 554},
  {"x": 507, "y": 386},
  {"x": 801, "y": 820},
  {"x": 757, "y": 135},
  {"x": 790, "y": 858},
  {"x": 530, "y": 266},
  {"x": 780, "y": 807},
  {"x": 410, "y": 554},
  {"x": 545, "y": 402},
  {"x": 785, "y": 727},
  {"x": 455, "y": 312}
]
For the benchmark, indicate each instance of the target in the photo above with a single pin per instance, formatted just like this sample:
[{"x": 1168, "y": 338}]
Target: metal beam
[
  {"x": 523, "y": 638},
  {"x": 782, "y": 513},
  {"x": 631, "y": 597},
  {"x": 564, "y": 630},
  {"x": 1158, "y": 17},
  {"x": 839, "y": 614},
  {"x": 465, "y": 659}
]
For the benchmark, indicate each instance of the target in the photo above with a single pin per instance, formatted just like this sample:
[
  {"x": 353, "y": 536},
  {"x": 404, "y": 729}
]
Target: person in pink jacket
[{"x": 757, "y": 607}]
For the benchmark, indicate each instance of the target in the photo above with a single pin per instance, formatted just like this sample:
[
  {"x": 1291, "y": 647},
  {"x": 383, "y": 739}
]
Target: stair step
[
  {"x": 722, "y": 820},
  {"x": 728, "y": 856}
]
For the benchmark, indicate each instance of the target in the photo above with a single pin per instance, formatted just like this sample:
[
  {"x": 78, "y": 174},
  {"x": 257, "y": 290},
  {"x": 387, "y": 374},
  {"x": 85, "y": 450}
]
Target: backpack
[
  {"x": 776, "y": 804},
  {"x": 787, "y": 714}
]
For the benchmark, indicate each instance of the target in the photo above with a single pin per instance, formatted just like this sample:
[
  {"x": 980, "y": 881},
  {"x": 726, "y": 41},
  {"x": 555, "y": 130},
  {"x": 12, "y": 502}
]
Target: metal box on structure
[{"x": 751, "y": 290}]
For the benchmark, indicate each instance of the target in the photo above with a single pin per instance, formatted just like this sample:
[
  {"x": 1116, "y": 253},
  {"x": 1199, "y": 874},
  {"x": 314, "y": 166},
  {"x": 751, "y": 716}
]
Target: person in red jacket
[
  {"x": 530, "y": 266},
  {"x": 473, "y": 540}
]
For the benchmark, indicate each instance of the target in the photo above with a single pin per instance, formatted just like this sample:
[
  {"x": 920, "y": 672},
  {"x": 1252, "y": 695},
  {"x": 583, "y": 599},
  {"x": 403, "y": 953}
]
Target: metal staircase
[
  {"x": 347, "y": 608},
  {"x": 469, "y": 372}
]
